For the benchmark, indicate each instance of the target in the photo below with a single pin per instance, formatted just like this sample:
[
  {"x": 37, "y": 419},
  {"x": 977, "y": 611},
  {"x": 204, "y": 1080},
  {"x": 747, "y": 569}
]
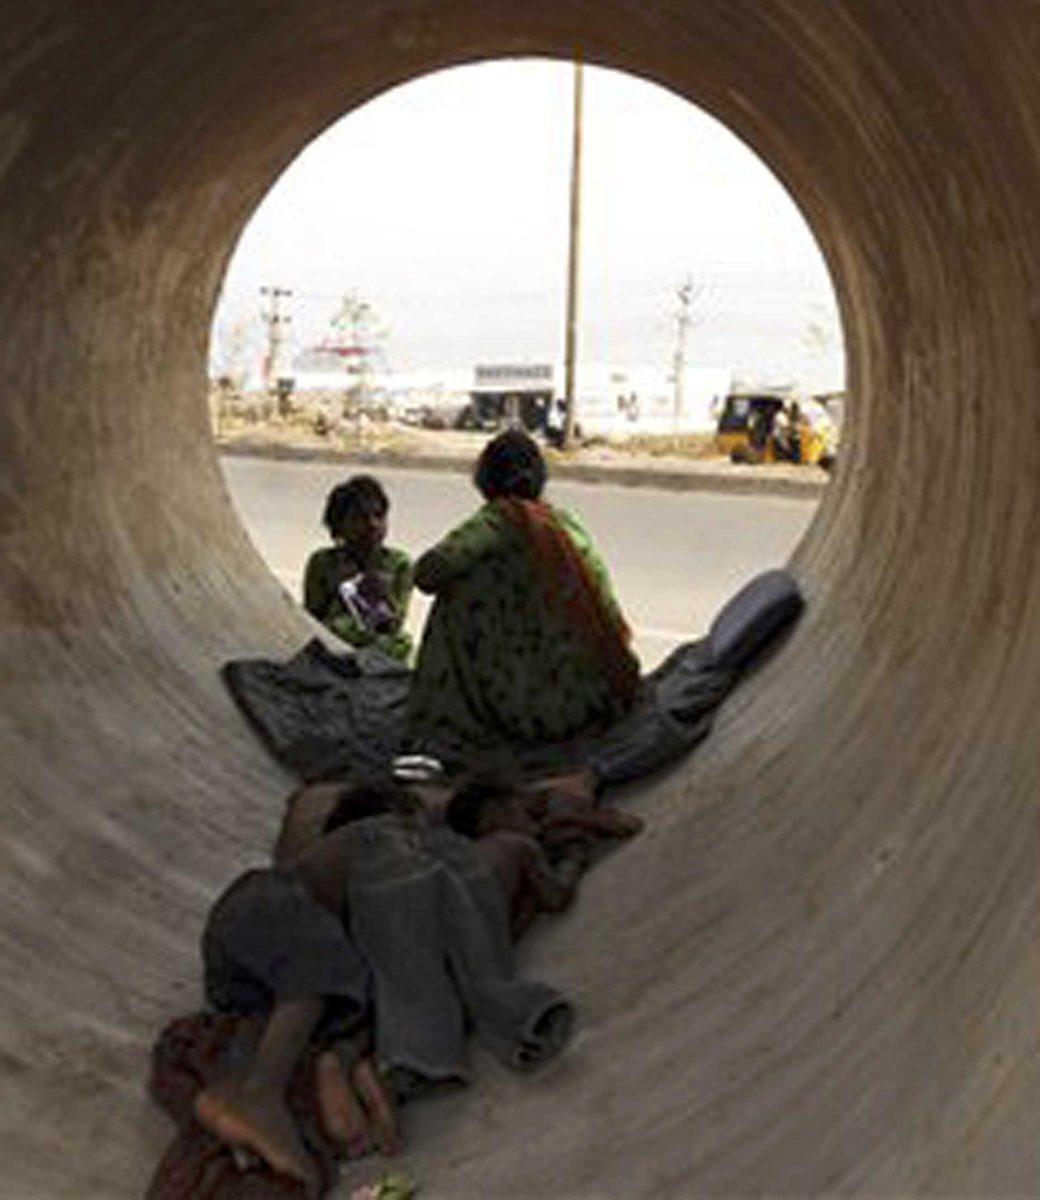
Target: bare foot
[
  {"x": 239, "y": 1117},
  {"x": 341, "y": 1113},
  {"x": 372, "y": 1090}
]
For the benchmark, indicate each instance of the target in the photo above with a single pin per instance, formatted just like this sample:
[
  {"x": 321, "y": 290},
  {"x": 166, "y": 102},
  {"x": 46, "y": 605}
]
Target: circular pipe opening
[
  {"x": 419, "y": 247},
  {"x": 818, "y": 975}
]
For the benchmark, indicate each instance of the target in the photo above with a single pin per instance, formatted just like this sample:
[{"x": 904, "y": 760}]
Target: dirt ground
[{"x": 670, "y": 461}]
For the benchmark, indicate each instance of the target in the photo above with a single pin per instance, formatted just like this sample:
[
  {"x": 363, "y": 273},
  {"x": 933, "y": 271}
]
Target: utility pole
[
  {"x": 683, "y": 321},
  {"x": 573, "y": 263},
  {"x": 277, "y": 322}
]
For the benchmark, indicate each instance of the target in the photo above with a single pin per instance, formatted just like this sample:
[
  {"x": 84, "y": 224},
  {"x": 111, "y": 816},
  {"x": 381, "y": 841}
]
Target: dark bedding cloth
[{"x": 323, "y": 714}]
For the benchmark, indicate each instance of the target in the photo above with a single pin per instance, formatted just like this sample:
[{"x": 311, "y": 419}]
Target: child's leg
[
  {"x": 268, "y": 931},
  {"x": 371, "y": 1087},
  {"x": 250, "y": 1110},
  {"x": 341, "y": 1112},
  {"x": 356, "y": 1106}
]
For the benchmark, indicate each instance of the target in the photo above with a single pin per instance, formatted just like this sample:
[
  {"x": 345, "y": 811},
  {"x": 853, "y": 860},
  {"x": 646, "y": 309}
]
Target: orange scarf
[{"x": 570, "y": 587}]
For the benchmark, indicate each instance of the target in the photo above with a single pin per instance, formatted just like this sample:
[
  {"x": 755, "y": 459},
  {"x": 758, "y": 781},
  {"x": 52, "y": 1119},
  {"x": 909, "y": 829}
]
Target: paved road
[{"x": 675, "y": 557}]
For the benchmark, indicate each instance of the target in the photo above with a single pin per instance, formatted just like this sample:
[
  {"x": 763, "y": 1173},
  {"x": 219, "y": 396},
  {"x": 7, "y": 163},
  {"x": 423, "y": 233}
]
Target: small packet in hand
[{"x": 353, "y": 599}]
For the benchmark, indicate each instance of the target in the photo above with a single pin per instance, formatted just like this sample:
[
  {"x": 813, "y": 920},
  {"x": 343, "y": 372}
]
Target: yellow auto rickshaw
[{"x": 762, "y": 427}]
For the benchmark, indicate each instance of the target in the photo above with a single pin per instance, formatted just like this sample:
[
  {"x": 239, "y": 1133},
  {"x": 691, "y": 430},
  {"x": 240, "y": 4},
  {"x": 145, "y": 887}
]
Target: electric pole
[
  {"x": 573, "y": 264},
  {"x": 682, "y": 329},
  {"x": 277, "y": 323}
]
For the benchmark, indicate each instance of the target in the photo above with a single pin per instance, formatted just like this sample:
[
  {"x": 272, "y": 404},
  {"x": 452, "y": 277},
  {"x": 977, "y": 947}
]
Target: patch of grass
[{"x": 678, "y": 445}]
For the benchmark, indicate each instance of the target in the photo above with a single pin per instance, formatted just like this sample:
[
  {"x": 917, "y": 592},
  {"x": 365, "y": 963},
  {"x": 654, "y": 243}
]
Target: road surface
[{"x": 675, "y": 557}]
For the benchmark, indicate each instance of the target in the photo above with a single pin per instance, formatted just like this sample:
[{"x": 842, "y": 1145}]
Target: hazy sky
[{"x": 444, "y": 203}]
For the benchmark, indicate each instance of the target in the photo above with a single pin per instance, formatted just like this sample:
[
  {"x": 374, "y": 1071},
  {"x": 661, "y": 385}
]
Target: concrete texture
[{"x": 817, "y": 972}]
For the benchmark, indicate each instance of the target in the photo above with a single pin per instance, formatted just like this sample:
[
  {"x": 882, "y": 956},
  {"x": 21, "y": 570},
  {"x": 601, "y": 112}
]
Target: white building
[
  {"x": 610, "y": 401},
  {"x": 616, "y": 401}
]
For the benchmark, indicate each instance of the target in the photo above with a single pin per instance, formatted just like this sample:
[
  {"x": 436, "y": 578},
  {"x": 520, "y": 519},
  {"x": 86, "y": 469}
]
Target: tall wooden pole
[{"x": 573, "y": 264}]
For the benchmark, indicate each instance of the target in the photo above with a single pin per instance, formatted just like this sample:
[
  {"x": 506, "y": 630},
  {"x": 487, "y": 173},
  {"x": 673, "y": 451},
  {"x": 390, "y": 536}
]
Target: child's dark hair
[
  {"x": 370, "y": 796},
  {"x": 472, "y": 797},
  {"x": 510, "y": 465},
  {"x": 360, "y": 493}
]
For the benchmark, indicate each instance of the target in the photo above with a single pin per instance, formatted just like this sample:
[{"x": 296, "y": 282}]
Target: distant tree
[
  {"x": 821, "y": 335},
  {"x": 234, "y": 346},
  {"x": 358, "y": 336}
]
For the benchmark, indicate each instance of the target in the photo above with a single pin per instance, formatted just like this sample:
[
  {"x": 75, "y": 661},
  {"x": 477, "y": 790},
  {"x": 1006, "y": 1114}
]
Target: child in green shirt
[{"x": 358, "y": 587}]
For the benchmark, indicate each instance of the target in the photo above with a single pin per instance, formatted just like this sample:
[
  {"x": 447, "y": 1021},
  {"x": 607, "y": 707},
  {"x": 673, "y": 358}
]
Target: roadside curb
[{"x": 746, "y": 481}]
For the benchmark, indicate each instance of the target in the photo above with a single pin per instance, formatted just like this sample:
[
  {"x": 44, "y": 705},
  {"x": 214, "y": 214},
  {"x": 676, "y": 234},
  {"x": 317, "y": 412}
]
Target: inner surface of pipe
[{"x": 815, "y": 972}]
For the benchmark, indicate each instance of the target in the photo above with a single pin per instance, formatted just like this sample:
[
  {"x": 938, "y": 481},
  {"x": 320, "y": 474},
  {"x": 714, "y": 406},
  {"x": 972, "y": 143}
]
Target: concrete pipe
[{"x": 817, "y": 971}]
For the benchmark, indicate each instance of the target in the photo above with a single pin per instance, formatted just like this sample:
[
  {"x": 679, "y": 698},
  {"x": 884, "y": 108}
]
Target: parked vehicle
[{"x": 764, "y": 427}]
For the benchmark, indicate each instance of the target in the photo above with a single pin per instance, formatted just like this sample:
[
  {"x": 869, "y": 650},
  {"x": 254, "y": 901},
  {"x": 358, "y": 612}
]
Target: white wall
[{"x": 654, "y": 409}]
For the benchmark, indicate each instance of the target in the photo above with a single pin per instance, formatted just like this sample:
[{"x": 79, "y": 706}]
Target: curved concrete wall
[{"x": 817, "y": 971}]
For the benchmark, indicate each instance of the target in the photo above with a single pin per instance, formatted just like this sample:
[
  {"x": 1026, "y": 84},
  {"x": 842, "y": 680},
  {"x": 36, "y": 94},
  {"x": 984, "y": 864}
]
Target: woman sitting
[
  {"x": 358, "y": 587},
  {"x": 525, "y": 643}
]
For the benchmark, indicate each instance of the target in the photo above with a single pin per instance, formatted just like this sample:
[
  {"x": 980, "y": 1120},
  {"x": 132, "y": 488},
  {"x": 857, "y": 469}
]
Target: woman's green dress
[{"x": 498, "y": 664}]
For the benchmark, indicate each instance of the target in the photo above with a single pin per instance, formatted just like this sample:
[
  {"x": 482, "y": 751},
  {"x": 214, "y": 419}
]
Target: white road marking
[{"x": 667, "y": 635}]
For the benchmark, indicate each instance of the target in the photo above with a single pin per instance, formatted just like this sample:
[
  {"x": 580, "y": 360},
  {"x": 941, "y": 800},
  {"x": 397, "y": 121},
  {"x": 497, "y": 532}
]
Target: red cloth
[
  {"x": 570, "y": 587},
  {"x": 196, "y": 1165}
]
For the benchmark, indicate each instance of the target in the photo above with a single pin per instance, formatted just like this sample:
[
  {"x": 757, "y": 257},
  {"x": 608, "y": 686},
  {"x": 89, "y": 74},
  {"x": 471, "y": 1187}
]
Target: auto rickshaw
[{"x": 766, "y": 428}]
